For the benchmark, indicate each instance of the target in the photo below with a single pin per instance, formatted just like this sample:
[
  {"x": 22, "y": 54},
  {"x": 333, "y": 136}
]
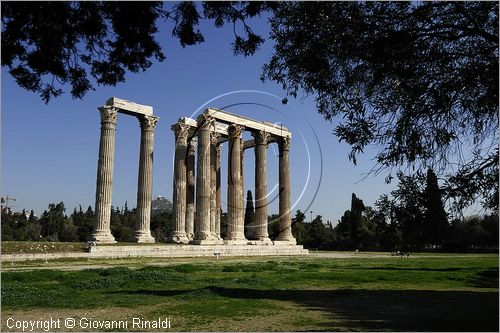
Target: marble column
[
  {"x": 178, "y": 234},
  {"x": 242, "y": 176},
  {"x": 104, "y": 188},
  {"x": 203, "y": 191},
  {"x": 214, "y": 144},
  {"x": 190, "y": 208},
  {"x": 145, "y": 180},
  {"x": 285, "y": 222},
  {"x": 235, "y": 200},
  {"x": 217, "y": 191},
  {"x": 261, "y": 232}
]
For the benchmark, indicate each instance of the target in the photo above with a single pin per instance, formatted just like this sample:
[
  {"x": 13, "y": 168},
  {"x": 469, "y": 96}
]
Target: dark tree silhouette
[
  {"x": 357, "y": 208},
  {"x": 409, "y": 209},
  {"x": 298, "y": 227},
  {"x": 435, "y": 217},
  {"x": 249, "y": 217},
  {"x": 49, "y": 44},
  {"x": 418, "y": 80}
]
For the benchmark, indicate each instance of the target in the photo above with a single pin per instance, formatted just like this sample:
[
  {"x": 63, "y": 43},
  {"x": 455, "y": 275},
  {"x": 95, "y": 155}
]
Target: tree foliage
[
  {"x": 418, "y": 80},
  {"x": 47, "y": 45},
  {"x": 380, "y": 228}
]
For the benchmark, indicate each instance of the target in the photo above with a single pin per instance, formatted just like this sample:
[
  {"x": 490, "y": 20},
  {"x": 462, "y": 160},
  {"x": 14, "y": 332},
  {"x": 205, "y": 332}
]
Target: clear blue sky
[{"x": 49, "y": 152}]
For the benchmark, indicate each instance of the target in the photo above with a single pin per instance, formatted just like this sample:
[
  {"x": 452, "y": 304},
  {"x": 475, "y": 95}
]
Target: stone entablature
[
  {"x": 223, "y": 119},
  {"x": 129, "y": 107}
]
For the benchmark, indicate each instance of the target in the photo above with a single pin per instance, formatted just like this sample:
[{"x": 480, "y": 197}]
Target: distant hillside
[{"x": 160, "y": 204}]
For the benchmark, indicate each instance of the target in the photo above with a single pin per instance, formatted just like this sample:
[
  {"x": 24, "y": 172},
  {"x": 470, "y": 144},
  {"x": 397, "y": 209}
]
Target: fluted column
[
  {"x": 178, "y": 234},
  {"x": 190, "y": 208},
  {"x": 217, "y": 191},
  {"x": 104, "y": 187},
  {"x": 261, "y": 232},
  {"x": 242, "y": 176},
  {"x": 285, "y": 221},
  {"x": 145, "y": 180},
  {"x": 214, "y": 143},
  {"x": 203, "y": 190},
  {"x": 235, "y": 200}
]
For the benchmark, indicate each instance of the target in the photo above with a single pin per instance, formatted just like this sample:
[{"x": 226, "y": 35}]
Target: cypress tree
[
  {"x": 435, "y": 217},
  {"x": 249, "y": 217}
]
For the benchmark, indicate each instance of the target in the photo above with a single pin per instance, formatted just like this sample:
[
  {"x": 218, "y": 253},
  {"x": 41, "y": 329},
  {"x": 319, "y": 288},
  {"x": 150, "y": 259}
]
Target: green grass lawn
[{"x": 368, "y": 294}]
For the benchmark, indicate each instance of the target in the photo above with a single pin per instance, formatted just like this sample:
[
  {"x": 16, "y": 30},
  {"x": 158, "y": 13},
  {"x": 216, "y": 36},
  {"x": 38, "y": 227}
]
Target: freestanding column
[
  {"x": 104, "y": 188},
  {"x": 261, "y": 233},
  {"x": 145, "y": 181},
  {"x": 203, "y": 191},
  {"x": 190, "y": 190},
  {"x": 235, "y": 200},
  {"x": 214, "y": 143},
  {"x": 217, "y": 191},
  {"x": 178, "y": 234},
  {"x": 285, "y": 222}
]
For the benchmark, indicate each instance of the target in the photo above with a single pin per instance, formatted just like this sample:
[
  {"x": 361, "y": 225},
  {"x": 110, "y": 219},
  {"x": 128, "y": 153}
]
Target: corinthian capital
[
  {"x": 108, "y": 114},
  {"x": 148, "y": 122},
  {"x": 234, "y": 130},
  {"x": 285, "y": 143},
  {"x": 181, "y": 130},
  {"x": 214, "y": 138},
  {"x": 261, "y": 137},
  {"x": 205, "y": 121}
]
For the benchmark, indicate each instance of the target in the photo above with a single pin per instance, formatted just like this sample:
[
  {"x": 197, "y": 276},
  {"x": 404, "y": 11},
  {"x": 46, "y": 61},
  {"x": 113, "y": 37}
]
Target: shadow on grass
[
  {"x": 369, "y": 310},
  {"x": 421, "y": 269},
  {"x": 486, "y": 279}
]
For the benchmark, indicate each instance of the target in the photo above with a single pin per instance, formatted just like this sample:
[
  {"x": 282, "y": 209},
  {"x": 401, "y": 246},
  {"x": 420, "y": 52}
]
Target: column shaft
[
  {"x": 261, "y": 219},
  {"x": 190, "y": 208},
  {"x": 285, "y": 221},
  {"x": 203, "y": 190},
  {"x": 104, "y": 186},
  {"x": 178, "y": 234},
  {"x": 242, "y": 185},
  {"x": 214, "y": 144},
  {"x": 145, "y": 180},
  {"x": 217, "y": 192},
  {"x": 235, "y": 200}
]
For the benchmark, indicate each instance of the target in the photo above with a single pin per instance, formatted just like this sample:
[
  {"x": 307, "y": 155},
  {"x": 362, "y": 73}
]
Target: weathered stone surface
[
  {"x": 212, "y": 128},
  {"x": 203, "y": 233},
  {"x": 129, "y": 107},
  {"x": 190, "y": 191},
  {"x": 229, "y": 118},
  {"x": 235, "y": 209},
  {"x": 145, "y": 180},
  {"x": 285, "y": 222},
  {"x": 105, "y": 165},
  {"x": 261, "y": 204},
  {"x": 217, "y": 191},
  {"x": 178, "y": 250},
  {"x": 214, "y": 214},
  {"x": 178, "y": 234}
]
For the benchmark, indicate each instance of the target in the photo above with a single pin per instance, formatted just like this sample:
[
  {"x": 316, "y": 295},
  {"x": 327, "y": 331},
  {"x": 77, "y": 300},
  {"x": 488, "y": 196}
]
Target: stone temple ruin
[{"x": 197, "y": 191}]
